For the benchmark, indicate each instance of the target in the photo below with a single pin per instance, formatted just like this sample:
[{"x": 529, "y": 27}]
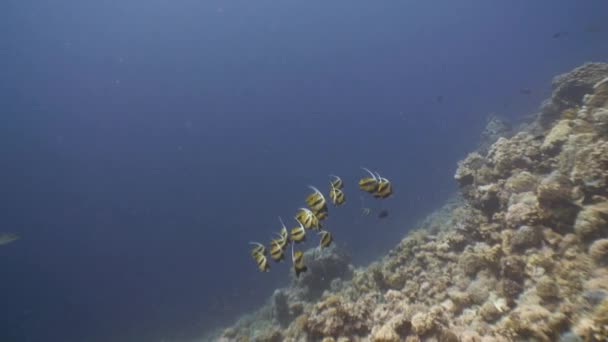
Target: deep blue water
[{"x": 144, "y": 143}]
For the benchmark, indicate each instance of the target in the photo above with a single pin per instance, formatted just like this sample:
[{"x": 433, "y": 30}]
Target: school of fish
[{"x": 310, "y": 218}]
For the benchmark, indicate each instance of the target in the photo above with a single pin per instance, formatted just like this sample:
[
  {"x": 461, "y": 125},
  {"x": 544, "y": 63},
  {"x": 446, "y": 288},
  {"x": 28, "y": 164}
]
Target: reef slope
[{"x": 520, "y": 255}]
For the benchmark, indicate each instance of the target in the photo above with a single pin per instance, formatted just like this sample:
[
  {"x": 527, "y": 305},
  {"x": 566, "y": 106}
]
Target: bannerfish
[
  {"x": 276, "y": 250},
  {"x": 326, "y": 239},
  {"x": 384, "y": 189},
  {"x": 337, "y": 196},
  {"x": 336, "y": 182},
  {"x": 298, "y": 262},
  {"x": 262, "y": 262},
  {"x": 368, "y": 184},
  {"x": 307, "y": 218},
  {"x": 316, "y": 201},
  {"x": 258, "y": 248},
  {"x": 298, "y": 234}
]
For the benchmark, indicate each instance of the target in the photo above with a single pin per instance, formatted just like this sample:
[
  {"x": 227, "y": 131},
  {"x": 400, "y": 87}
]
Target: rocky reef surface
[{"x": 520, "y": 255}]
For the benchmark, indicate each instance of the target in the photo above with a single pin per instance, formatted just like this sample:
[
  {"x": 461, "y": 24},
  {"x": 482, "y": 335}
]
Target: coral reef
[{"x": 521, "y": 255}]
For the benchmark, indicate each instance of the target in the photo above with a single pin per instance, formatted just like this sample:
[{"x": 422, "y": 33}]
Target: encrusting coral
[{"x": 521, "y": 255}]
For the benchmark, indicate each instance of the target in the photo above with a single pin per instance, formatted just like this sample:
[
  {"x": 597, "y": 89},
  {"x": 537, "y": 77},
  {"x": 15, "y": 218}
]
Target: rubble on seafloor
[{"x": 522, "y": 256}]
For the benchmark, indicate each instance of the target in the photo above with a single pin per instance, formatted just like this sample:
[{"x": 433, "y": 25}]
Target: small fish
[
  {"x": 316, "y": 201},
  {"x": 262, "y": 261},
  {"x": 326, "y": 239},
  {"x": 298, "y": 234},
  {"x": 307, "y": 218},
  {"x": 336, "y": 182},
  {"x": 385, "y": 189},
  {"x": 560, "y": 34},
  {"x": 298, "y": 262},
  {"x": 258, "y": 248},
  {"x": 366, "y": 211},
  {"x": 439, "y": 99},
  {"x": 276, "y": 250},
  {"x": 337, "y": 196},
  {"x": 383, "y": 214},
  {"x": 8, "y": 237}
]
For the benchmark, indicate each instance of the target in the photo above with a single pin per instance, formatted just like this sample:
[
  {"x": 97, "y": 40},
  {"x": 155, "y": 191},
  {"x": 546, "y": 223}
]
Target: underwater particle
[
  {"x": 599, "y": 251},
  {"x": 8, "y": 237},
  {"x": 383, "y": 214}
]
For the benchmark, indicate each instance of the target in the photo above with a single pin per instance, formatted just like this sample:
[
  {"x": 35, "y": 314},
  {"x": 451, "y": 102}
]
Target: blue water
[{"x": 144, "y": 143}]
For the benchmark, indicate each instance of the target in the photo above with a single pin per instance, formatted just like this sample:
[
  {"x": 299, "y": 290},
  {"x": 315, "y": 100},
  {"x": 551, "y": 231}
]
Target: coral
[
  {"x": 530, "y": 321},
  {"x": 591, "y": 168},
  {"x": 478, "y": 257},
  {"x": 599, "y": 96},
  {"x": 570, "y": 88},
  {"x": 520, "y": 182},
  {"x": 599, "y": 251},
  {"x": 336, "y": 315},
  {"x": 556, "y": 137},
  {"x": 423, "y": 323},
  {"x": 555, "y": 189},
  {"x": 600, "y": 322},
  {"x": 489, "y": 312},
  {"x": 547, "y": 289},
  {"x": 471, "y": 170},
  {"x": 496, "y": 127},
  {"x": 526, "y": 237},
  {"x": 521, "y": 152},
  {"x": 280, "y": 307},
  {"x": 394, "y": 330},
  {"x": 520, "y": 255},
  {"x": 592, "y": 221},
  {"x": 523, "y": 210}
]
